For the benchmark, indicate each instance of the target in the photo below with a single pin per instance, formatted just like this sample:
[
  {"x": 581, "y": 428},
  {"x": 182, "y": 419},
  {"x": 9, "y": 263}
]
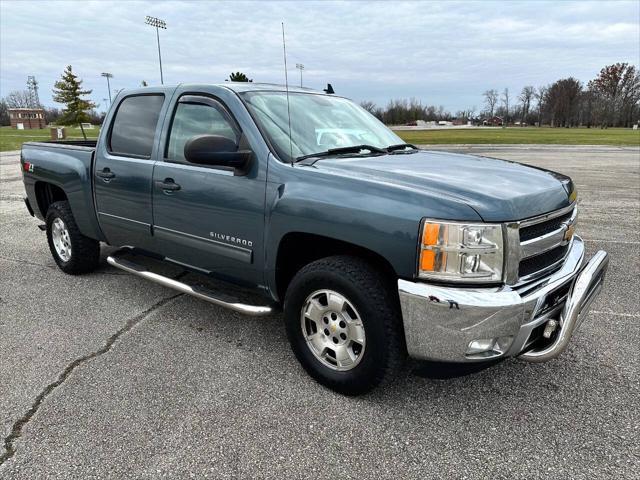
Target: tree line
[{"x": 611, "y": 99}]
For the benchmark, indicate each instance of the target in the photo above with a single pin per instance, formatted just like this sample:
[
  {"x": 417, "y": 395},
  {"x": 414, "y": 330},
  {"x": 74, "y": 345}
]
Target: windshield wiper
[
  {"x": 341, "y": 150},
  {"x": 400, "y": 147}
]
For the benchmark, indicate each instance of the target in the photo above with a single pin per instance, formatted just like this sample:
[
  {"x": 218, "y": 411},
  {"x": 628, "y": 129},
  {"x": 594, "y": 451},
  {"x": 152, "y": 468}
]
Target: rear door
[
  {"x": 207, "y": 217},
  {"x": 124, "y": 170}
]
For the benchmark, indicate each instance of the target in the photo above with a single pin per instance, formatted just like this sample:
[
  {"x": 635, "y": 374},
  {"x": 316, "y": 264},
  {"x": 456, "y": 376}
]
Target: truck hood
[{"x": 498, "y": 190}]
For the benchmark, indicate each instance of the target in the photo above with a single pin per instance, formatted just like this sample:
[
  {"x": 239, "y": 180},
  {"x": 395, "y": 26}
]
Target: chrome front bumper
[{"x": 453, "y": 324}]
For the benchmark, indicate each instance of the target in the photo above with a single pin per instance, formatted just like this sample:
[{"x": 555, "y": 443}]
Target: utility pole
[
  {"x": 108, "y": 75},
  {"x": 156, "y": 22},
  {"x": 300, "y": 67}
]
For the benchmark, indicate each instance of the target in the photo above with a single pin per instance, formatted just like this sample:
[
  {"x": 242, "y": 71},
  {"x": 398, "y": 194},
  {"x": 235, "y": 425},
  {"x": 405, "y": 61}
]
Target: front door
[
  {"x": 124, "y": 170},
  {"x": 207, "y": 217}
]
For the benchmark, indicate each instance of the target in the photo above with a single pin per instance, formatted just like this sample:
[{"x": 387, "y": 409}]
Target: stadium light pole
[
  {"x": 156, "y": 22},
  {"x": 108, "y": 75},
  {"x": 300, "y": 67}
]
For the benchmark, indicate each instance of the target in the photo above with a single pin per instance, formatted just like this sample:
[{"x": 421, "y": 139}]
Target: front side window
[
  {"x": 318, "y": 123},
  {"x": 191, "y": 119},
  {"x": 134, "y": 126}
]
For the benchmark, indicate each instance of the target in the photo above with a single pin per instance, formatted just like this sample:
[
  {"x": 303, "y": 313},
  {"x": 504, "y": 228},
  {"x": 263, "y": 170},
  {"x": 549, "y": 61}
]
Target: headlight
[{"x": 461, "y": 252}]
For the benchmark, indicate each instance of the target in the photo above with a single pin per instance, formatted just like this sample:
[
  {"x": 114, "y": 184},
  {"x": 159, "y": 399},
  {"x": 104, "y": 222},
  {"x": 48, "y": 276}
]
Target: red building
[
  {"x": 493, "y": 121},
  {"x": 27, "y": 117}
]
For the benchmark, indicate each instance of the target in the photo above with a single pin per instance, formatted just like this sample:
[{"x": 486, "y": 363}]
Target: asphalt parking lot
[{"x": 106, "y": 375}]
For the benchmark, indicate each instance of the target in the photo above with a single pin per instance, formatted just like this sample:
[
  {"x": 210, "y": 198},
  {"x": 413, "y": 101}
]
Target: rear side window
[{"x": 134, "y": 126}]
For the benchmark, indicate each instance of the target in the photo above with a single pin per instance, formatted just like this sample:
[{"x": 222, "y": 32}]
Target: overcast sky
[{"x": 444, "y": 53}]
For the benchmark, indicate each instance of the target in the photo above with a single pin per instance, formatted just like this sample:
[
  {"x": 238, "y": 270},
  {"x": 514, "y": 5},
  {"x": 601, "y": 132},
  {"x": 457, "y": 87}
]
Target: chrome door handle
[
  {"x": 168, "y": 185},
  {"x": 105, "y": 174}
]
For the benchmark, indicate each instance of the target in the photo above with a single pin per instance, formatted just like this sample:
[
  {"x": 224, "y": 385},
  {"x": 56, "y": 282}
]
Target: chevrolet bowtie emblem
[{"x": 568, "y": 234}]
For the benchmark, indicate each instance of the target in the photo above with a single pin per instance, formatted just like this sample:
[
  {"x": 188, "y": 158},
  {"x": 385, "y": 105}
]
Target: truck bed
[
  {"x": 62, "y": 166},
  {"x": 67, "y": 143}
]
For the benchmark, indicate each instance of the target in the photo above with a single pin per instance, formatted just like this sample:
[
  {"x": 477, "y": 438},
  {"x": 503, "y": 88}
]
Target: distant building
[
  {"x": 26, "y": 118},
  {"x": 493, "y": 122}
]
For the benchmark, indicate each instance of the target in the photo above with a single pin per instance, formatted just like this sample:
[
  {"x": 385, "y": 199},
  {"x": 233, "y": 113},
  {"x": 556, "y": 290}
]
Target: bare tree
[
  {"x": 563, "y": 100},
  {"x": 525, "y": 97},
  {"x": 541, "y": 94},
  {"x": 505, "y": 103},
  {"x": 369, "y": 106},
  {"x": 467, "y": 114},
  {"x": 490, "y": 100},
  {"x": 618, "y": 87},
  {"x": 18, "y": 99}
]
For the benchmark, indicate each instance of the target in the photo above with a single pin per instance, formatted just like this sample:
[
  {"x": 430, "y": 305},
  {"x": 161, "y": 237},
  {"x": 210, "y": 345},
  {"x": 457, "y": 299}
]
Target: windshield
[{"x": 318, "y": 123}]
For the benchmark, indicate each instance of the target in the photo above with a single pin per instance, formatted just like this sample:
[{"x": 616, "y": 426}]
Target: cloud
[{"x": 441, "y": 52}]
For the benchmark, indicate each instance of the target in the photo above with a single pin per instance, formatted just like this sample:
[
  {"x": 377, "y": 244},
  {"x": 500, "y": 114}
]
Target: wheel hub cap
[
  {"x": 61, "y": 239},
  {"x": 333, "y": 330}
]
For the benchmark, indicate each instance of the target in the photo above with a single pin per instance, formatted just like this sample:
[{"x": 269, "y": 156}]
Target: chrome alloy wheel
[
  {"x": 333, "y": 330},
  {"x": 61, "y": 240}
]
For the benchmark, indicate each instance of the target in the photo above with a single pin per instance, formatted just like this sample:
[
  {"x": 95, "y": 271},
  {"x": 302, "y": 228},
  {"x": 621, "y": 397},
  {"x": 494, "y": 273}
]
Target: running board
[{"x": 195, "y": 291}]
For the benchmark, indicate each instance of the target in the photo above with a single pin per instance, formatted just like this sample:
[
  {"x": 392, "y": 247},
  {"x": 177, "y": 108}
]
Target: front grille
[
  {"x": 539, "y": 229},
  {"x": 539, "y": 262}
]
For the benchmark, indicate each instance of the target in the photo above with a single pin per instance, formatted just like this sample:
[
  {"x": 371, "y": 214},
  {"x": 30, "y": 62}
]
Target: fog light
[
  {"x": 494, "y": 346},
  {"x": 481, "y": 346}
]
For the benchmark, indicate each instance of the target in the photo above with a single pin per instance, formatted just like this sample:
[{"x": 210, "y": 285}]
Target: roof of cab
[
  {"x": 260, "y": 87},
  {"x": 238, "y": 87}
]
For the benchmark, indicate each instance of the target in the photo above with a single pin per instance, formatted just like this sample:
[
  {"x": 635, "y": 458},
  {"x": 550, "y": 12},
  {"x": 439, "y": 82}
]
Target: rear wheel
[
  {"x": 73, "y": 252},
  {"x": 344, "y": 324}
]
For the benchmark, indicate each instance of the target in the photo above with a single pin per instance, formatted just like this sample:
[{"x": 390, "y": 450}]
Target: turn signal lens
[
  {"x": 430, "y": 236},
  {"x": 431, "y": 261},
  {"x": 427, "y": 260}
]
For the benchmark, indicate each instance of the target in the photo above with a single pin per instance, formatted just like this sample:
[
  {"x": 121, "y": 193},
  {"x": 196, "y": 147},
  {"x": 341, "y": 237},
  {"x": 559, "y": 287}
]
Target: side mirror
[{"x": 217, "y": 150}]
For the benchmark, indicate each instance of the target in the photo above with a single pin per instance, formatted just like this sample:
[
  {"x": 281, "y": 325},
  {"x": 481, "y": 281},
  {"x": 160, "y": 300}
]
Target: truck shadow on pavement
[{"x": 200, "y": 328}]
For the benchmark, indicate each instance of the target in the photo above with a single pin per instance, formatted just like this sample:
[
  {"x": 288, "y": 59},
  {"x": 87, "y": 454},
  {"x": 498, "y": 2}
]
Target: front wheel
[
  {"x": 73, "y": 252},
  {"x": 344, "y": 324}
]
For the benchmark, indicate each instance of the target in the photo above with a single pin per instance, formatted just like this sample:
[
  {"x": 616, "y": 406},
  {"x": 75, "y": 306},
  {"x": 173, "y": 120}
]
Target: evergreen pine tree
[
  {"x": 68, "y": 90},
  {"x": 239, "y": 77}
]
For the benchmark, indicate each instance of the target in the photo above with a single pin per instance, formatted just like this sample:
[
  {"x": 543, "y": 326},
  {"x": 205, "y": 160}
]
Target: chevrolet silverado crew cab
[{"x": 374, "y": 249}]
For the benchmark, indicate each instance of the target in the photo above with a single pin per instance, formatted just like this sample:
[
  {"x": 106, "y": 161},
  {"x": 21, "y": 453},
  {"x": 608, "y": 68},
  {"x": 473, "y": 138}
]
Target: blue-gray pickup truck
[{"x": 375, "y": 250}]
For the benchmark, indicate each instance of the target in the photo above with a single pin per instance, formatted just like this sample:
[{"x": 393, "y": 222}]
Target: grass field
[
  {"x": 12, "y": 139},
  {"x": 521, "y": 135}
]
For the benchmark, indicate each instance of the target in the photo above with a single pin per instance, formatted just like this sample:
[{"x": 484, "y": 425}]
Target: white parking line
[
  {"x": 627, "y": 242},
  {"x": 633, "y": 315}
]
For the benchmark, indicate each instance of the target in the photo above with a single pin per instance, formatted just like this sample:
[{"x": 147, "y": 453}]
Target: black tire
[
  {"x": 85, "y": 251},
  {"x": 378, "y": 306}
]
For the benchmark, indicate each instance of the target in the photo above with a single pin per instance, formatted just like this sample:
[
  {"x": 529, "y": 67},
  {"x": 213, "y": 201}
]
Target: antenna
[
  {"x": 286, "y": 86},
  {"x": 32, "y": 86}
]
